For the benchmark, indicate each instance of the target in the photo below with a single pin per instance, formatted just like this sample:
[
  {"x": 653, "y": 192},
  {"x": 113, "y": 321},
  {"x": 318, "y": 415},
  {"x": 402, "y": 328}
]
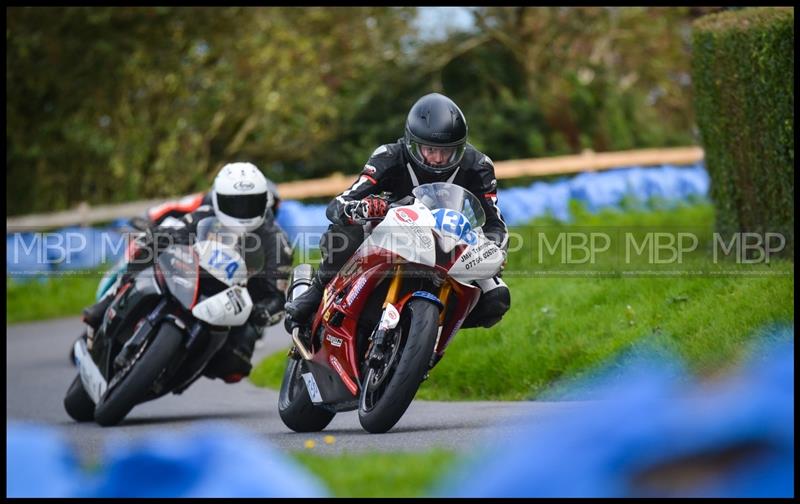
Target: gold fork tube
[
  {"x": 444, "y": 292},
  {"x": 394, "y": 288}
]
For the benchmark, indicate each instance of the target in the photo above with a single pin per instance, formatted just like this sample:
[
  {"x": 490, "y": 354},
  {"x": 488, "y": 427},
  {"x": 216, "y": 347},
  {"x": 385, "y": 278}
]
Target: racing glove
[
  {"x": 358, "y": 211},
  {"x": 266, "y": 314}
]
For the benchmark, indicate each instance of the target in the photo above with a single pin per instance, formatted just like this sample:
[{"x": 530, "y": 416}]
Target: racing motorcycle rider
[
  {"x": 433, "y": 149},
  {"x": 240, "y": 200}
]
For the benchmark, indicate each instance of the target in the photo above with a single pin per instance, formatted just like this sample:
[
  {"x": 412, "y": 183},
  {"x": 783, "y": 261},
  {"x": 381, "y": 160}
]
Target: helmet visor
[
  {"x": 436, "y": 157},
  {"x": 242, "y": 206}
]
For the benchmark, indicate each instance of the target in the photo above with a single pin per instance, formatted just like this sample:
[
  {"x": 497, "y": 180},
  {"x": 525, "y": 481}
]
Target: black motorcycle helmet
[{"x": 436, "y": 134}]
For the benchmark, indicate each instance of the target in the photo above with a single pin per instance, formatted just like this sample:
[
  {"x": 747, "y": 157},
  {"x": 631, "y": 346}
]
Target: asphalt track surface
[{"x": 38, "y": 373}]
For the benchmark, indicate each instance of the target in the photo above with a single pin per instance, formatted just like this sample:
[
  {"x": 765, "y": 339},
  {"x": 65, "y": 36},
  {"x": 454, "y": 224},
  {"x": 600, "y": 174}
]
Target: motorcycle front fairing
[{"x": 134, "y": 301}]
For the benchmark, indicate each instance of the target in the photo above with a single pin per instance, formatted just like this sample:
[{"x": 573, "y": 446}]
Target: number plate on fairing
[
  {"x": 313, "y": 390},
  {"x": 222, "y": 261}
]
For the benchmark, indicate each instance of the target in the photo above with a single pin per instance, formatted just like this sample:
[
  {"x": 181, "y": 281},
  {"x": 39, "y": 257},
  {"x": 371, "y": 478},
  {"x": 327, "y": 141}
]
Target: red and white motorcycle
[{"x": 389, "y": 314}]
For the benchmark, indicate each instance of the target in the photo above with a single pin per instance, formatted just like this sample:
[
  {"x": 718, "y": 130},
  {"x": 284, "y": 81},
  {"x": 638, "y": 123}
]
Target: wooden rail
[{"x": 336, "y": 183}]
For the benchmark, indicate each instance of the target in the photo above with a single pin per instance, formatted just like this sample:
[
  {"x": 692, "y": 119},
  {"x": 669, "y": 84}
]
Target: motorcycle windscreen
[
  {"x": 180, "y": 267},
  {"x": 444, "y": 195}
]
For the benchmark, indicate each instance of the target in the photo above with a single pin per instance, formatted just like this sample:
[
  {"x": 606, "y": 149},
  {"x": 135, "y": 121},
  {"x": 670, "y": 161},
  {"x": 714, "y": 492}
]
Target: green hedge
[{"x": 743, "y": 74}]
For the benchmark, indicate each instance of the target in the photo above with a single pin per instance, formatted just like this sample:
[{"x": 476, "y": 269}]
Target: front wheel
[
  {"x": 388, "y": 392},
  {"x": 77, "y": 402},
  {"x": 147, "y": 365},
  {"x": 294, "y": 404}
]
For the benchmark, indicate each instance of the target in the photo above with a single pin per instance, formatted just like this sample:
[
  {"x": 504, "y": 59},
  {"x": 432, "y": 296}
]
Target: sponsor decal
[
  {"x": 473, "y": 262},
  {"x": 353, "y": 267},
  {"x": 243, "y": 185},
  {"x": 425, "y": 240},
  {"x": 407, "y": 215},
  {"x": 390, "y": 317},
  {"x": 337, "y": 342},
  {"x": 410, "y": 217},
  {"x": 236, "y": 301},
  {"x": 346, "y": 379},
  {"x": 477, "y": 255},
  {"x": 479, "y": 250},
  {"x": 335, "y": 363},
  {"x": 355, "y": 291}
]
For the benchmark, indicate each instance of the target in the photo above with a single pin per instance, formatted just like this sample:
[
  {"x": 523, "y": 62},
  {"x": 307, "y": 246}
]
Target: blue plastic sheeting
[
  {"x": 25, "y": 254},
  {"x": 599, "y": 190},
  {"x": 72, "y": 248},
  {"x": 213, "y": 460},
  {"x": 296, "y": 218},
  {"x": 596, "y": 190},
  {"x": 39, "y": 463},
  {"x": 653, "y": 434},
  {"x": 31, "y": 254}
]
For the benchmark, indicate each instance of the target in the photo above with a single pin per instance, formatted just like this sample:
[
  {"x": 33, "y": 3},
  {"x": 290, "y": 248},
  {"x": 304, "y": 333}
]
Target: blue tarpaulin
[
  {"x": 76, "y": 248},
  {"x": 650, "y": 432},
  {"x": 214, "y": 460},
  {"x": 596, "y": 190}
]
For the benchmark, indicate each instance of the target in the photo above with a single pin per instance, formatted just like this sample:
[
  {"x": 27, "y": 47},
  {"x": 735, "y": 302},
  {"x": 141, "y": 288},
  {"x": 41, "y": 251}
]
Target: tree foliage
[
  {"x": 113, "y": 104},
  {"x": 109, "y": 104}
]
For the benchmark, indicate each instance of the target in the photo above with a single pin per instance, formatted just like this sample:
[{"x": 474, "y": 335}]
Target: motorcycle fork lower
[{"x": 375, "y": 350}]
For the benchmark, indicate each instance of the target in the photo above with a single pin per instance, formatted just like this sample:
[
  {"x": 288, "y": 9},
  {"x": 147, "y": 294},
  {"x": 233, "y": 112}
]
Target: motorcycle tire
[
  {"x": 295, "y": 406},
  {"x": 119, "y": 401},
  {"x": 77, "y": 403},
  {"x": 417, "y": 340}
]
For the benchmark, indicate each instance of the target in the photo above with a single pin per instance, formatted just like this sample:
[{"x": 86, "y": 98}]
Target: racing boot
[
  {"x": 93, "y": 315},
  {"x": 231, "y": 363},
  {"x": 299, "y": 311}
]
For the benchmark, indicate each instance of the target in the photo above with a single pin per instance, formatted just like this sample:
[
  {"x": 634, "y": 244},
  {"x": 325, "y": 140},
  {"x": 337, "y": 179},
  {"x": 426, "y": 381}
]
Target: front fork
[
  {"x": 391, "y": 317},
  {"x": 389, "y": 320}
]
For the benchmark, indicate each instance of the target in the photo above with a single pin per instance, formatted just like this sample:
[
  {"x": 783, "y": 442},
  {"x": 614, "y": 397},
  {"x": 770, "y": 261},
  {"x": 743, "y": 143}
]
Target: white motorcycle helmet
[{"x": 241, "y": 197}]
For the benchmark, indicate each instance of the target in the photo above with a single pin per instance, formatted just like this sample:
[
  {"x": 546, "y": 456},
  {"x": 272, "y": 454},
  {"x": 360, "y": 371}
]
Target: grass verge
[
  {"x": 58, "y": 296},
  {"x": 378, "y": 474},
  {"x": 560, "y": 327}
]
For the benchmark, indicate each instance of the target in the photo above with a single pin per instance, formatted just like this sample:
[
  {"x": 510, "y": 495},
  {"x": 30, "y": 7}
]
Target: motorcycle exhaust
[
  {"x": 299, "y": 344},
  {"x": 301, "y": 281}
]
